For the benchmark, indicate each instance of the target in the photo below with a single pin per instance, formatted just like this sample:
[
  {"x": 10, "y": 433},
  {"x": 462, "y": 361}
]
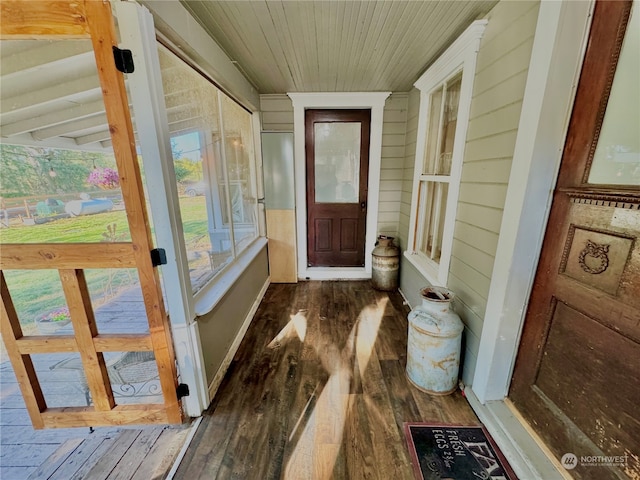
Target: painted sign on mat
[{"x": 456, "y": 453}]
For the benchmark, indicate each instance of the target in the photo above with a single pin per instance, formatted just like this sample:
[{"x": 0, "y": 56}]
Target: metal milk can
[
  {"x": 386, "y": 260},
  {"x": 433, "y": 346}
]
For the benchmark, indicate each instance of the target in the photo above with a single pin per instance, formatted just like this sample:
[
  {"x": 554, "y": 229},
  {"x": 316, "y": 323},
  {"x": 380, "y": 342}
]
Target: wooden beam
[
  {"x": 22, "y": 364},
  {"x": 24, "y": 19},
  {"x": 69, "y": 255},
  {"x": 64, "y": 129},
  {"x": 128, "y": 342},
  {"x": 67, "y": 417},
  {"x": 47, "y": 344},
  {"x": 61, "y": 54},
  {"x": 103, "y": 136},
  {"x": 51, "y": 94},
  {"x": 53, "y": 118},
  {"x": 104, "y": 38},
  {"x": 84, "y": 325},
  {"x": 132, "y": 342}
]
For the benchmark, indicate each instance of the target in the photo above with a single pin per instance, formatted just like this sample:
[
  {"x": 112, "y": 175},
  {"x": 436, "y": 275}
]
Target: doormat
[{"x": 455, "y": 452}]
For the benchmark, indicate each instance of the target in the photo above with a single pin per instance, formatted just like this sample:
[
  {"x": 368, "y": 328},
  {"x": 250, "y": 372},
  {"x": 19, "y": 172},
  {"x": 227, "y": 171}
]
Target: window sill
[
  {"x": 429, "y": 270},
  {"x": 209, "y": 296}
]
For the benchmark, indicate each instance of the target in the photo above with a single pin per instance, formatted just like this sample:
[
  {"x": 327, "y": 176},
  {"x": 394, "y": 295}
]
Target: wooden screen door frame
[
  {"x": 552, "y": 289},
  {"x": 93, "y": 20},
  {"x": 339, "y": 217}
]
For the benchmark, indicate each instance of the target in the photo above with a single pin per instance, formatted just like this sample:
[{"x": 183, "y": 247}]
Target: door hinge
[
  {"x": 158, "y": 257},
  {"x": 123, "y": 60},
  {"x": 182, "y": 390}
]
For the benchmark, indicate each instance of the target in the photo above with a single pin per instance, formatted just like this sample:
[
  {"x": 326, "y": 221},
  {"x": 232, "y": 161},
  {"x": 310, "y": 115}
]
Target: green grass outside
[{"x": 35, "y": 292}]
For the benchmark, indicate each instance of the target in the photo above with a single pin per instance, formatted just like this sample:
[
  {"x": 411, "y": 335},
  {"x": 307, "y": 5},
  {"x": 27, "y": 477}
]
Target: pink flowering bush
[
  {"x": 58, "y": 315},
  {"x": 105, "y": 178}
]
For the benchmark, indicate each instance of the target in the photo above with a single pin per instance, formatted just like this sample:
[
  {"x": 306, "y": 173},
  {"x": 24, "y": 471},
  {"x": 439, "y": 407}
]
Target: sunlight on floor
[
  {"x": 319, "y": 443},
  {"x": 296, "y": 326}
]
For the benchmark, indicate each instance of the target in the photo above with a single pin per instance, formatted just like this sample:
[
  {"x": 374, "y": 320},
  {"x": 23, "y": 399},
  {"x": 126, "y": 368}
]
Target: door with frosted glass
[
  {"x": 337, "y": 155},
  {"x": 576, "y": 376}
]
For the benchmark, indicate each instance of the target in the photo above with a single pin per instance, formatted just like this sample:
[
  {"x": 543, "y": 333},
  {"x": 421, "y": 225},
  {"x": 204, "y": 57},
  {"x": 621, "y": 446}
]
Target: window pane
[
  {"x": 433, "y": 206},
  {"x": 238, "y": 144},
  {"x": 337, "y": 162},
  {"x": 435, "y": 110},
  {"x": 450, "y": 118},
  {"x": 192, "y": 107},
  {"x": 59, "y": 182},
  {"x": 617, "y": 156}
]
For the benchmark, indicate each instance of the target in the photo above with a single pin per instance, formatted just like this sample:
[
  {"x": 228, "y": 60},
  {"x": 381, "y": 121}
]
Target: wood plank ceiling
[
  {"x": 305, "y": 46},
  {"x": 51, "y": 95}
]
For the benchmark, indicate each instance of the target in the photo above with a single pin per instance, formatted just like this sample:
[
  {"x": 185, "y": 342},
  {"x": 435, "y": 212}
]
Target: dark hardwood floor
[{"x": 317, "y": 390}]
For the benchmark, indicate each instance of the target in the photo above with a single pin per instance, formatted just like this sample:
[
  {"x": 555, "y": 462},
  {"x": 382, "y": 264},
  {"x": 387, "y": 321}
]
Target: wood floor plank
[
  {"x": 317, "y": 390},
  {"x": 57, "y": 458},
  {"x": 103, "y": 460},
  {"x": 15, "y": 473},
  {"x": 160, "y": 458},
  {"x": 135, "y": 454},
  {"x": 77, "y": 459}
]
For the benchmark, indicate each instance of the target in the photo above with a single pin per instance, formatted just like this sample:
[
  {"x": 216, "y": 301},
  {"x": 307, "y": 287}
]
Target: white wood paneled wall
[
  {"x": 392, "y": 166},
  {"x": 501, "y": 72},
  {"x": 413, "y": 111},
  {"x": 277, "y": 115}
]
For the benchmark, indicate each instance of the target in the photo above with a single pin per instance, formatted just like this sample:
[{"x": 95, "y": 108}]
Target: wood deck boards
[
  {"x": 74, "y": 453},
  {"x": 317, "y": 390}
]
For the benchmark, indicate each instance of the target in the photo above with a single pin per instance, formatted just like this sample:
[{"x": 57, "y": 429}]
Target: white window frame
[{"x": 459, "y": 57}]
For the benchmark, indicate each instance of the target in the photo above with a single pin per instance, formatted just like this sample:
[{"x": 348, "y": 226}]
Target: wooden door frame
[
  {"x": 92, "y": 20},
  {"x": 601, "y": 59},
  {"x": 363, "y": 118},
  {"x": 342, "y": 100}
]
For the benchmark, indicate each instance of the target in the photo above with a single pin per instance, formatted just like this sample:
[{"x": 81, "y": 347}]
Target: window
[
  {"x": 445, "y": 100},
  {"x": 214, "y": 164}
]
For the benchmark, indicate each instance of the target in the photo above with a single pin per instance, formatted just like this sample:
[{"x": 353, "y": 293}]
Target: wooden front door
[
  {"x": 337, "y": 154},
  {"x": 92, "y": 20},
  {"x": 576, "y": 375}
]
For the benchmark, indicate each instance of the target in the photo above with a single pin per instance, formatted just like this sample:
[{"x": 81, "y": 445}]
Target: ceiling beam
[
  {"x": 50, "y": 94},
  {"x": 46, "y": 55},
  {"x": 50, "y": 119},
  {"x": 58, "y": 142},
  {"x": 93, "y": 137},
  {"x": 64, "y": 129}
]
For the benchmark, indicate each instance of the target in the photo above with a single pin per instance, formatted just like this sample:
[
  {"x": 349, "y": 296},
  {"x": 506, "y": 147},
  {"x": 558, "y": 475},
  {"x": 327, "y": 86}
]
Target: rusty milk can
[
  {"x": 385, "y": 263},
  {"x": 433, "y": 346}
]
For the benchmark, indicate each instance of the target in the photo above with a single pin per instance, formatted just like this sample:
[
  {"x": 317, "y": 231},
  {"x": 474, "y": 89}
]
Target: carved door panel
[{"x": 576, "y": 375}]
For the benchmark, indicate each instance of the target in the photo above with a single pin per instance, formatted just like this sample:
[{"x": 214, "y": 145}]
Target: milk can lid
[{"x": 433, "y": 315}]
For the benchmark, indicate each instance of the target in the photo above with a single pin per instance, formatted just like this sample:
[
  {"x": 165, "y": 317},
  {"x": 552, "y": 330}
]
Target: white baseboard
[
  {"x": 521, "y": 450},
  {"x": 217, "y": 379}
]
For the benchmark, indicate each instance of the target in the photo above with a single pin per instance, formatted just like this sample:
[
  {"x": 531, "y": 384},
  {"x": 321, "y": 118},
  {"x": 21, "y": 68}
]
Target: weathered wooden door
[
  {"x": 337, "y": 154},
  {"x": 576, "y": 375},
  {"x": 92, "y": 20}
]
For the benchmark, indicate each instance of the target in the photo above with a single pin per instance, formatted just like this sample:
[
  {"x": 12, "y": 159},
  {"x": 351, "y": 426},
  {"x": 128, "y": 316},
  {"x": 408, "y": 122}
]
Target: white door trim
[
  {"x": 556, "y": 59},
  {"x": 302, "y": 101}
]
